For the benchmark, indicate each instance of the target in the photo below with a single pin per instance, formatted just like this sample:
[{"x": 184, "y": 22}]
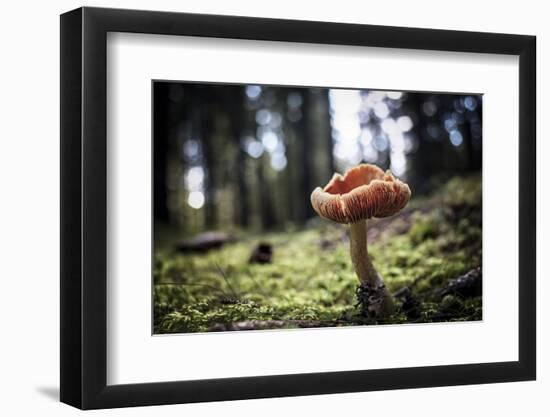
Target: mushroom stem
[
  {"x": 364, "y": 268},
  {"x": 382, "y": 302}
]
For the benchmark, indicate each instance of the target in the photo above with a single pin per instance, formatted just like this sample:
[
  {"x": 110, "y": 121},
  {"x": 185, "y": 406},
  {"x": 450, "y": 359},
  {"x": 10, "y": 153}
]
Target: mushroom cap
[{"x": 363, "y": 192}]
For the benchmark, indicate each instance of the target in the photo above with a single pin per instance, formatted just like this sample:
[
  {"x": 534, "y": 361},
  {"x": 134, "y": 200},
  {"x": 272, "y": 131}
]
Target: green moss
[
  {"x": 437, "y": 240},
  {"x": 424, "y": 227}
]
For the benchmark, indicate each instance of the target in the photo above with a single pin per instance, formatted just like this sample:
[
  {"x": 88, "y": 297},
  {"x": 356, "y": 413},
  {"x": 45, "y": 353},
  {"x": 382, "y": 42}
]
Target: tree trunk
[
  {"x": 237, "y": 121},
  {"x": 161, "y": 132},
  {"x": 304, "y": 145},
  {"x": 209, "y": 154},
  {"x": 266, "y": 203}
]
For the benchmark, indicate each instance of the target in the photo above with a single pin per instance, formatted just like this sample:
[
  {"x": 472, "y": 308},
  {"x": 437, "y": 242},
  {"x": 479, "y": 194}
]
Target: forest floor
[{"x": 429, "y": 256}]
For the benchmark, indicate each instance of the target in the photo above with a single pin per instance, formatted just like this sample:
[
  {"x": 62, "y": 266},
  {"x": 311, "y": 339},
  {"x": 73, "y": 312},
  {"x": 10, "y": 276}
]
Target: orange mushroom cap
[{"x": 363, "y": 192}]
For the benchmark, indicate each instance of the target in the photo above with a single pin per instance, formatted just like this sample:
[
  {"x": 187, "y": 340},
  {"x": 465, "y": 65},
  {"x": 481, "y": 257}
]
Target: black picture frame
[{"x": 84, "y": 207}]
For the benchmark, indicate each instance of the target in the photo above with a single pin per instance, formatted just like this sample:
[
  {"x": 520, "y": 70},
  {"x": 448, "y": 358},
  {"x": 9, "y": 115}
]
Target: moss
[
  {"x": 451, "y": 303},
  {"x": 311, "y": 276},
  {"x": 423, "y": 228}
]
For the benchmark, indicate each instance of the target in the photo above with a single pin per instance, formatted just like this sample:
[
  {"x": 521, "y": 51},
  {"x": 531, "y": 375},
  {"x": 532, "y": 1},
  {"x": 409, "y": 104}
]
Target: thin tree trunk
[
  {"x": 160, "y": 147},
  {"x": 237, "y": 116},
  {"x": 206, "y": 124},
  {"x": 329, "y": 143},
  {"x": 266, "y": 203},
  {"x": 305, "y": 140}
]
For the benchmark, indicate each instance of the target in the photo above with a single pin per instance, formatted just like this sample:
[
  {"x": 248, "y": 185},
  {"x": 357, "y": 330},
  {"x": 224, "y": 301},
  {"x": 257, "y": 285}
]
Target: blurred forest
[{"x": 247, "y": 157}]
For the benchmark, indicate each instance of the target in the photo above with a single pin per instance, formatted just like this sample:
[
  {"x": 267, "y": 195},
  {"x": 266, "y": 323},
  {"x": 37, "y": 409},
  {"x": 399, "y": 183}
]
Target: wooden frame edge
[{"x": 83, "y": 208}]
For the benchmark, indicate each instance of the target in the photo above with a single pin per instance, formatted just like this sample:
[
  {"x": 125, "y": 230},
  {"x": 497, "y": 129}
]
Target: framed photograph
[{"x": 257, "y": 208}]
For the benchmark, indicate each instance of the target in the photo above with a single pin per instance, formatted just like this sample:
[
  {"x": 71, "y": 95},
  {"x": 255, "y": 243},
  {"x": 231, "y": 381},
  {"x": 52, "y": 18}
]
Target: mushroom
[{"x": 363, "y": 192}]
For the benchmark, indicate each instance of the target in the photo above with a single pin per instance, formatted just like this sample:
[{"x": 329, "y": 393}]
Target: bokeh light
[{"x": 196, "y": 199}]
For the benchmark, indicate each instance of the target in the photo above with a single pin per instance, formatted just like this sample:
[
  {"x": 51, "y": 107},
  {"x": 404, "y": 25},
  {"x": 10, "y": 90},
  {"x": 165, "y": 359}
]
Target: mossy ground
[{"x": 311, "y": 282}]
